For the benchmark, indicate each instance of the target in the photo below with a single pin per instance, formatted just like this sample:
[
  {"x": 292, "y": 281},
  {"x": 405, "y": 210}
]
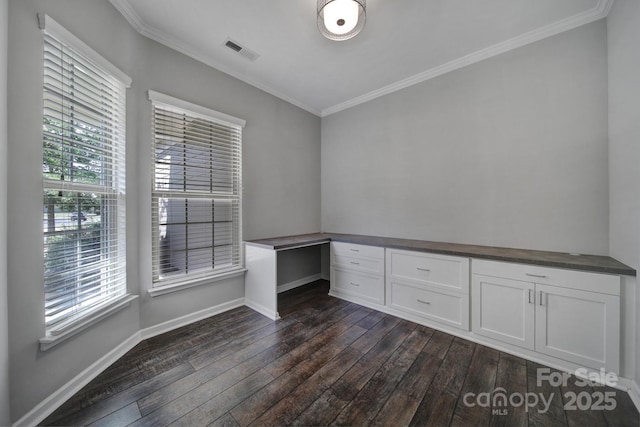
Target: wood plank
[
  {"x": 624, "y": 413},
  {"x": 549, "y": 410},
  {"x": 190, "y": 394},
  {"x": 575, "y": 417},
  {"x": 317, "y": 353},
  {"x": 372, "y": 319},
  {"x": 249, "y": 334},
  {"x": 372, "y": 397},
  {"x": 403, "y": 403},
  {"x": 121, "y": 417},
  {"x": 379, "y": 347},
  {"x": 380, "y": 329},
  {"x": 446, "y": 383},
  {"x": 481, "y": 378},
  {"x": 223, "y": 402},
  {"x": 291, "y": 406},
  {"x": 146, "y": 358},
  {"x": 308, "y": 348},
  {"x": 322, "y": 411},
  {"x": 511, "y": 381},
  {"x": 139, "y": 367},
  {"x": 265, "y": 399},
  {"x": 225, "y": 421},
  {"x": 216, "y": 370},
  {"x": 177, "y": 408},
  {"x": 84, "y": 415}
]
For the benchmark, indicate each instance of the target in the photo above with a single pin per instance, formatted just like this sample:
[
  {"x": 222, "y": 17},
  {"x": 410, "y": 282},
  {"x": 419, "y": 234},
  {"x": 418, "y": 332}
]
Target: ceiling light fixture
[{"x": 341, "y": 19}]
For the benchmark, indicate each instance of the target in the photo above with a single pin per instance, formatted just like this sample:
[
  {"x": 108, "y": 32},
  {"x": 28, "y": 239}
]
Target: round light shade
[{"x": 341, "y": 19}]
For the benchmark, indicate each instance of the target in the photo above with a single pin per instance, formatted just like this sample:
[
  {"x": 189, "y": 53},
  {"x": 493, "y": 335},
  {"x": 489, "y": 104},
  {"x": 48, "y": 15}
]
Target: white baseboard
[
  {"x": 634, "y": 394},
  {"x": 188, "y": 319},
  {"x": 300, "y": 282},
  {"x": 273, "y": 315},
  {"x": 57, "y": 398}
]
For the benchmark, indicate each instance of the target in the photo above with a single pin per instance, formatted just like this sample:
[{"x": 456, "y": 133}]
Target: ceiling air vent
[
  {"x": 232, "y": 45},
  {"x": 241, "y": 50}
]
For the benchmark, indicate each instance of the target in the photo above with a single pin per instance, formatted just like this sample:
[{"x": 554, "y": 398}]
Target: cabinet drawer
[
  {"x": 581, "y": 280},
  {"x": 367, "y": 265},
  {"x": 368, "y": 287},
  {"x": 435, "y": 270},
  {"x": 450, "y": 308},
  {"x": 357, "y": 251}
]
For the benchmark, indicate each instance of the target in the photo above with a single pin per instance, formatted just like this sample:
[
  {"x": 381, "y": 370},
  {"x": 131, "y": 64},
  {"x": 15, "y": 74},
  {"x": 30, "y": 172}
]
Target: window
[
  {"x": 83, "y": 169},
  {"x": 196, "y": 200}
]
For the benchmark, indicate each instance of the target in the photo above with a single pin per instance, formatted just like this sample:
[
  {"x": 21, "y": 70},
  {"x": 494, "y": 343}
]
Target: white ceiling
[{"x": 403, "y": 42}]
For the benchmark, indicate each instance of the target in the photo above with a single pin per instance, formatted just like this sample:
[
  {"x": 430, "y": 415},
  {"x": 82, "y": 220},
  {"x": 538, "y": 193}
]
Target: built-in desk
[
  {"x": 262, "y": 276},
  {"x": 261, "y": 261}
]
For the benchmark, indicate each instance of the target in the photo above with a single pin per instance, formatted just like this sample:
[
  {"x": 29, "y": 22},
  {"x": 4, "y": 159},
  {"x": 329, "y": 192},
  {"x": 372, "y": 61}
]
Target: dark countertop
[
  {"x": 290, "y": 242},
  {"x": 595, "y": 263}
]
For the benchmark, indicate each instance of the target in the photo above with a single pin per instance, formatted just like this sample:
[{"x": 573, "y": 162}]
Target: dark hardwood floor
[{"x": 325, "y": 362}]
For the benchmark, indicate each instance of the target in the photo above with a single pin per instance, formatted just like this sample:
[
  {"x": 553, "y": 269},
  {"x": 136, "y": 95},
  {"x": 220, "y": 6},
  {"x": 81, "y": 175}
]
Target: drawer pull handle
[
  {"x": 423, "y": 302},
  {"x": 354, "y": 250},
  {"x": 541, "y": 296},
  {"x": 423, "y": 269},
  {"x": 355, "y": 263},
  {"x": 541, "y": 276},
  {"x": 531, "y": 300},
  {"x": 354, "y": 284}
]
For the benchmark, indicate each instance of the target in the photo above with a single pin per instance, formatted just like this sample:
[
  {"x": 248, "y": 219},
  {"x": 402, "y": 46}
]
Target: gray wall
[
  {"x": 511, "y": 151},
  {"x": 623, "y": 26},
  {"x": 281, "y": 181},
  {"x": 34, "y": 374},
  {"x": 281, "y": 166},
  {"x": 4, "y": 326},
  {"x": 299, "y": 263}
]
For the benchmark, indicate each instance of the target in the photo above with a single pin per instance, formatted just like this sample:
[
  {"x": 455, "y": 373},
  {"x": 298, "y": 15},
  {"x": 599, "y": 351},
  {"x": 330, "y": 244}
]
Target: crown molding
[
  {"x": 601, "y": 10},
  {"x": 125, "y": 9}
]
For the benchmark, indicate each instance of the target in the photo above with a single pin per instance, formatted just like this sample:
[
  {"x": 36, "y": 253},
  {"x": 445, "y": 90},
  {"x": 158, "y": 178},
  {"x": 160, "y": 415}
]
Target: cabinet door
[
  {"x": 503, "y": 309},
  {"x": 578, "y": 326}
]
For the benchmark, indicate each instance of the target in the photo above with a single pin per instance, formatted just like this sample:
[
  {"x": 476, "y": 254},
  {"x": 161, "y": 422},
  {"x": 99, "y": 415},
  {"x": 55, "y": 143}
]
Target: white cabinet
[
  {"x": 569, "y": 315},
  {"x": 503, "y": 309},
  {"x": 357, "y": 273},
  {"x": 578, "y": 326},
  {"x": 428, "y": 286}
]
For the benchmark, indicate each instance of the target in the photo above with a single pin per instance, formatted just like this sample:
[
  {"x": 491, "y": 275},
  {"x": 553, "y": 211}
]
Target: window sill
[
  {"x": 191, "y": 283},
  {"x": 54, "y": 339}
]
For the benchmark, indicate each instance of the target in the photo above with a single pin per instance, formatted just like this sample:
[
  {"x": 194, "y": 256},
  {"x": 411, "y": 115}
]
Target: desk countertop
[{"x": 595, "y": 263}]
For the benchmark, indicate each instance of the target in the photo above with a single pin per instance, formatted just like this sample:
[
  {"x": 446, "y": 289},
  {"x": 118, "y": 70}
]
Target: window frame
[
  {"x": 112, "y": 187},
  {"x": 161, "y": 286}
]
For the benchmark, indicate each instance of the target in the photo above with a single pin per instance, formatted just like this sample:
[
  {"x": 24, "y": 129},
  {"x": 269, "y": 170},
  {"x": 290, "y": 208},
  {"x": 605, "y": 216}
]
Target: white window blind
[
  {"x": 84, "y": 182},
  {"x": 196, "y": 201}
]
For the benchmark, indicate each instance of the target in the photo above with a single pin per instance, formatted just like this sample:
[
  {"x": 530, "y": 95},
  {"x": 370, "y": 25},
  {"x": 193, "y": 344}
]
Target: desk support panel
[{"x": 260, "y": 282}]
